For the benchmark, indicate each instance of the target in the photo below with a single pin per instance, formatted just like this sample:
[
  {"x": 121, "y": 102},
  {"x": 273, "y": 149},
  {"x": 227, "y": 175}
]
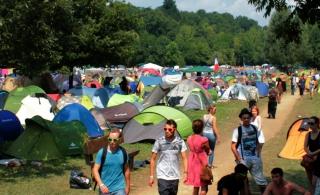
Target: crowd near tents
[{"x": 51, "y": 119}]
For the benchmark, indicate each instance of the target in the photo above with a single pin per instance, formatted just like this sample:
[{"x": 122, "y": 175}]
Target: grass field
[{"x": 53, "y": 177}]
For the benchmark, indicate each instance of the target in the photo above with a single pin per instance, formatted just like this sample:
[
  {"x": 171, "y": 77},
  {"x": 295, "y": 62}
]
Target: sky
[{"x": 234, "y": 7}]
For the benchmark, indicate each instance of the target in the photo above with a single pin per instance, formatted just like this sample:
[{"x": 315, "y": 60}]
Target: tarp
[
  {"x": 32, "y": 106},
  {"x": 10, "y": 127},
  {"x": 45, "y": 140},
  {"x": 79, "y": 113},
  {"x": 101, "y": 98},
  {"x": 3, "y": 98},
  {"x": 82, "y": 90},
  {"x": 198, "y": 69},
  {"x": 263, "y": 88},
  {"x": 294, "y": 147},
  {"x": 15, "y": 97},
  {"x": 150, "y": 80}
]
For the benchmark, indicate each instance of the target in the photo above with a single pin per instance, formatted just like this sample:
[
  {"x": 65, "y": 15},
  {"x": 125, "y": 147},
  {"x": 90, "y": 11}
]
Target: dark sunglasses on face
[
  {"x": 311, "y": 123},
  {"x": 168, "y": 129},
  {"x": 113, "y": 139}
]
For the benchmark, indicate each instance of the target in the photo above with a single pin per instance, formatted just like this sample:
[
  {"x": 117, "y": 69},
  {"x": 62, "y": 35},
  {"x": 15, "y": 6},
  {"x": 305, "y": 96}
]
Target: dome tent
[
  {"x": 10, "y": 127},
  {"x": 79, "y": 113}
]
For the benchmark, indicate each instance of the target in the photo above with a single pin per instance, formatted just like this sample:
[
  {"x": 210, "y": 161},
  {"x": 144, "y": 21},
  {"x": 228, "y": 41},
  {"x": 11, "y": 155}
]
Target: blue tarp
[
  {"x": 82, "y": 90},
  {"x": 10, "y": 127},
  {"x": 78, "y": 112},
  {"x": 263, "y": 88},
  {"x": 100, "y": 98},
  {"x": 148, "y": 81},
  {"x": 3, "y": 98}
]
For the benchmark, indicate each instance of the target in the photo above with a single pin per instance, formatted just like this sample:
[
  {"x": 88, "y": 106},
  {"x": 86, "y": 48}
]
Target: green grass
[{"x": 53, "y": 177}]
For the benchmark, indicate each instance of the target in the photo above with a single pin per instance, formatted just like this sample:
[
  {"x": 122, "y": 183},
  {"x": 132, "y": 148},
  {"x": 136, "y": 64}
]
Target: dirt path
[{"x": 224, "y": 159}]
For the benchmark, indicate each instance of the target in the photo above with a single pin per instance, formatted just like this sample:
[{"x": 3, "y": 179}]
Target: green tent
[
  {"x": 15, "y": 97},
  {"x": 46, "y": 140},
  {"x": 198, "y": 69},
  {"x": 184, "y": 124},
  {"x": 118, "y": 99}
]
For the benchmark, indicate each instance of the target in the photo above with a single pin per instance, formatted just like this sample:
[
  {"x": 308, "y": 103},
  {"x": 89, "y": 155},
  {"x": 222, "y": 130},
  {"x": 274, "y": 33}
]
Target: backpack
[
  {"x": 103, "y": 159},
  {"x": 78, "y": 180},
  {"x": 240, "y": 136}
]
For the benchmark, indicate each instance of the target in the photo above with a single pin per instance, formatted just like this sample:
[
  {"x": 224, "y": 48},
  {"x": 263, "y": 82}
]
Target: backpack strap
[
  {"x": 125, "y": 158},
  {"x": 240, "y": 137},
  {"x": 103, "y": 159}
]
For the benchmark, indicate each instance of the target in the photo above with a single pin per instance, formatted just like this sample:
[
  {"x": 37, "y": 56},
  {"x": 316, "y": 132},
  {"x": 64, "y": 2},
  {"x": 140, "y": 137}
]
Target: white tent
[
  {"x": 32, "y": 106},
  {"x": 152, "y": 66},
  {"x": 240, "y": 92}
]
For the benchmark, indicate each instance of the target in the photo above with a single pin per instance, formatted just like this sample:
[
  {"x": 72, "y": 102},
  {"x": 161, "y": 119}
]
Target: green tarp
[
  {"x": 46, "y": 140},
  {"x": 198, "y": 69}
]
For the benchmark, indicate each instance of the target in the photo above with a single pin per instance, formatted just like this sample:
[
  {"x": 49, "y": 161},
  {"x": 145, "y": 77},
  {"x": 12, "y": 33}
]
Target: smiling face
[{"x": 114, "y": 140}]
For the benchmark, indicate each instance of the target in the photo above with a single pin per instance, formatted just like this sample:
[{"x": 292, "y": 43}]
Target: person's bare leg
[
  {"x": 204, "y": 190},
  {"x": 195, "y": 191}
]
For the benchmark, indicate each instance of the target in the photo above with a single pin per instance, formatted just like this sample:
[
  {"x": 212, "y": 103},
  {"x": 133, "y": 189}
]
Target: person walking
[
  {"x": 199, "y": 150},
  {"x": 114, "y": 176},
  {"x": 246, "y": 146},
  {"x": 312, "y": 85},
  {"x": 211, "y": 131},
  {"x": 279, "y": 87},
  {"x": 293, "y": 83},
  {"x": 272, "y": 103},
  {"x": 168, "y": 148},
  {"x": 281, "y": 186},
  {"x": 312, "y": 148},
  {"x": 301, "y": 85}
]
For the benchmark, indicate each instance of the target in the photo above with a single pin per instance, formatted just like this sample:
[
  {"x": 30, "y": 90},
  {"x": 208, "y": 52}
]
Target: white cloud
[{"x": 234, "y": 7}]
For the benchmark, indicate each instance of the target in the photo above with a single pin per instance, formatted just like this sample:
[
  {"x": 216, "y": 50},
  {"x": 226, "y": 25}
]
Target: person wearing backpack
[
  {"x": 111, "y": 170},
  {"x": 246, "y": 146}
]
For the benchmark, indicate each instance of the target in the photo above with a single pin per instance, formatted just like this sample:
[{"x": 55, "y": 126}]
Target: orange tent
[{"x": 294, "y": 147}]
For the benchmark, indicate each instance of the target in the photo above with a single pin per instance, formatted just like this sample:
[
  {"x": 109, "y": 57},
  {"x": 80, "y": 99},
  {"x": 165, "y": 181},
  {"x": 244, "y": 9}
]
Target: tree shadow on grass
[{"x": 29, "y": 172}]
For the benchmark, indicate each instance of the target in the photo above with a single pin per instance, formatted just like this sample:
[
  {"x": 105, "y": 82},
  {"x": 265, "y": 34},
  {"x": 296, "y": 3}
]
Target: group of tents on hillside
[{"x": 43, "y": 125}]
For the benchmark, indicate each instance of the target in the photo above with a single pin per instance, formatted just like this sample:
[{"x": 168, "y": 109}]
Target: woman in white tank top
[{"x": 211, "y": 131}]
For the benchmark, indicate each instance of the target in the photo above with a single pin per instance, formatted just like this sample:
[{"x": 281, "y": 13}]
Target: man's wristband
[
  {"x": 101, "y": 185},
  {"x": 151, "y": 176}
]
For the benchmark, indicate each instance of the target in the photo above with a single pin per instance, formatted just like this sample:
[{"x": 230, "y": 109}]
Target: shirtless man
[{"x": 281, "y": 186}]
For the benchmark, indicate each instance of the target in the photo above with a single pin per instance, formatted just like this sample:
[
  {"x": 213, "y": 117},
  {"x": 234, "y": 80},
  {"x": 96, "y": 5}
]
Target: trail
[{"x": 224, "y": 159}]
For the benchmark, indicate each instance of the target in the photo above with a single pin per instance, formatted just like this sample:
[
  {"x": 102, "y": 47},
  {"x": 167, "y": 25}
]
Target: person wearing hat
[{"x": 246, "y": 146}]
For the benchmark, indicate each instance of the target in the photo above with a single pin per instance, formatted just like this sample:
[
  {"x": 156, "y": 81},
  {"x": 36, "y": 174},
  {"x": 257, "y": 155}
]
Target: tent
[
  {"x": 121, "y": 113},
  {"x": 198, "y": 69},
  {"x": 79, "y": 113},
  {"x": 149, "y": 124},
  {"x": 152, "y": 66},
  {"x": 118, "y": 99},
  {"x": 150, "y": 80},
  {"x": 263, "y": 88},
  {"x": 82, "y": 90},
  {"x": 183, "y": 121},
  {"x": 3, "y": 98},
  {"x": 66, "y": 100},
  {"x": 101, "y": 98},
  {"x": 197, "y": 100},
  {"x": 45, "y": 140},
  {"x": 32, "y": 106},
  {"x": 15, "y": 97},
  {"x": 180, "y": 93},
  {"x": 294, "y": 147},
  {"x": 10, "y": 127},
  {"x": 155, "y": 96},
  {"x": 240, "y": 92}
]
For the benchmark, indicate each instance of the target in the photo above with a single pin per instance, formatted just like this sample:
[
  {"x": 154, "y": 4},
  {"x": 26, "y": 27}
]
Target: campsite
[{"x": 159, "y": 97}]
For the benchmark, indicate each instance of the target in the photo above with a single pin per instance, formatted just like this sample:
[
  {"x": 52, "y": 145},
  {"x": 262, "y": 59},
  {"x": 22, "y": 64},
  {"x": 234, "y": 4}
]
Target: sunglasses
[
  {"x": 168, "y": 129},
  {"x": 311, "y": 123},
  {"x": 113, "y": 139}
]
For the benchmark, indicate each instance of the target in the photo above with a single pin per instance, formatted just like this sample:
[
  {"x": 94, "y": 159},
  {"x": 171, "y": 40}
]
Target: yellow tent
[{"x": 294, "y": 147}]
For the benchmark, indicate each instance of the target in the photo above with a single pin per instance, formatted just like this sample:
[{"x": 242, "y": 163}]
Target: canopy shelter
[{"x": 198, "y": 69}]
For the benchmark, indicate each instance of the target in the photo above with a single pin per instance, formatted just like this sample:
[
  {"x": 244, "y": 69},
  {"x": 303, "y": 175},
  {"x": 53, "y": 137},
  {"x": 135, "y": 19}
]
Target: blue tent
[
  {"x": 10, "y": 127},
  {"x": 3, "y": 98},
  {"x": 147, "y": 81},
  {"x": 77, "y": 112},
  {"x": 101, "y": 98},
  {"x": 263, "y": 88}
]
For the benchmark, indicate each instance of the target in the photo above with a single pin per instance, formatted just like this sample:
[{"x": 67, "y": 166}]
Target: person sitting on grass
[
  {"x": 282, "y": 186},
  {"x": 235, "y": 182}
]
